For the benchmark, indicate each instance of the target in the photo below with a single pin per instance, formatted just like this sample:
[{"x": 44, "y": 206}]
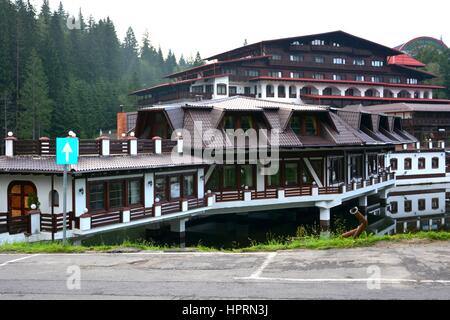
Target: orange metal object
[{"x": 355, "y": 233}]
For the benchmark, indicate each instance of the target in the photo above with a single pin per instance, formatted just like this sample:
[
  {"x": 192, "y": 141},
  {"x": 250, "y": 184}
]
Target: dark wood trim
[{"x": 421, "y": 176}]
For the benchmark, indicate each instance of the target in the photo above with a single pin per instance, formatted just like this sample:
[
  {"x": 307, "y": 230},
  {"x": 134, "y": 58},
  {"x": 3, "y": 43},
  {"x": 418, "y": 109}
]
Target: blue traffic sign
[{"x": 67, "y": 150}]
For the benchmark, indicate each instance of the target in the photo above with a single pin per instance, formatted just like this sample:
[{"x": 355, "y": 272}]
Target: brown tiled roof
[{"x": 409, "y": 107}]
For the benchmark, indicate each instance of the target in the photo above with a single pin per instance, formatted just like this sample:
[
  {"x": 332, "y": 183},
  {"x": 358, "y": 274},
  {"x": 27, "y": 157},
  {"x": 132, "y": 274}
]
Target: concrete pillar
[
  {"x": 126, "y": 215},
  {"x": 85, "y": 222},
  {"x": 281, "y": 194},
  {"x": 158, "y": 145},
  {"x": 9, "y": 145},
  {"x": 180, "y": 145},
  {"x": 201, "y": 183},
  {"x": 149, "y": 185},
  {"x": 260, "y": 179},
  {"x": 179, "y": 229},
  {"x": 35, "y": 221},
  {"x": 362, "y": 204},
  {"x": 104, "y": 145},
  {"x": 325, "y": 219},
  {"x": 132, "y": 145}
]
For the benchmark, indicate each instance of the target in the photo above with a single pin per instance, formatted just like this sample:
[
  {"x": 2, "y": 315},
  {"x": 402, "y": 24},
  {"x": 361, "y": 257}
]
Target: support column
[
  {"x": 325, "y": 221},
  {"x": 179, "y": 228},
  {"x": 362, "y": 205},
  {"x": 383, "y": 194}
]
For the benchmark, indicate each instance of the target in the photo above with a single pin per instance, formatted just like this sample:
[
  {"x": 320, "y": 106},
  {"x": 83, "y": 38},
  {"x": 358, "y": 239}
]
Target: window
[
  {"x": 229, "y": 71},
  {"x": 377, "y": 79},
  {"x": 408, "y": 205},
  {"x": 291, "y": 174},
  {"x": 233, "y": 90},
  {"x": 377, "y": 63},
  {"x": 96, "y": 196},
  {"x": 296, "y": 58},
  {"x": 335, "y": 44},
  {"x": 247, "y": 91},
  {"x": 336, "y": 170},
  {"x": 209, "y": 88},
  {"x": 318, "y": 76},
  {"x": 116, "y": 194},
  {"x": 306, "y": 125},
  {"x": 338, "y": 61},
  {"x": 229, "y": 177},
  {"x": 421, "y": 204},
  {"x": 372, "y": 163},
  {"x": 275, "y": 74},
  {"x": 54, "y": 198},
  {"x": 292, "y": 92},
  {"x": 421, "y": 163},
  {"x": 251, "y": 73},
  {"x": 161, "y": 189},
  {"x": 356, "y": 167},
  {"x": 281, "y": 91},
  {"x": 394, "y": 164},
  {"x": 222, "y": 89},
  {"x": 435, "y": 163},
  {"x": 408, "y": 164},
  {"x": 134, "y": 192},
  {"x": 318, "y": 42},
  {"x": 247, "y": 176},
  {"x": 296, "y": 75},
  {"x": 276, "y": 57},
  {"x": 175, "y": 187},
  {"x": 394, "y": 207},
  {"x": 270, "y": 91},
  {"x": 359, "y": 62},
  {"x": 189, "y": 185},
  {"x": 273, "y": 181},
  {"x": 319, "y": 59},
  {"x": 197, "y": 89},
  {"x": 159, "y": 126},
  {"x": 394, "y": 80},
  {"x": 338, "y": 77},
  {"x": 435, "y": 203},
  {"x": 359, "y": 78},
  {"x": 412, "y": 81},
  {"x": 238, "y": 121}
]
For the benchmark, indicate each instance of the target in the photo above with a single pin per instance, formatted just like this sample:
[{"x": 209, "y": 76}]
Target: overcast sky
[{"x": 213, "y": 26}]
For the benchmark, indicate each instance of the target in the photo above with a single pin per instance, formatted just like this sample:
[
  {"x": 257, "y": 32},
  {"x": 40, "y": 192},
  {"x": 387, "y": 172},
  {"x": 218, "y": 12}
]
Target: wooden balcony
[{"x": 174, "y": 97}]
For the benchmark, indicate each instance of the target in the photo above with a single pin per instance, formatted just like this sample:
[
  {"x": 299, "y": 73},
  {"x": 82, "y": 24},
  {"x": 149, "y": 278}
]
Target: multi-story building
[{"x": 334, "y": 68}]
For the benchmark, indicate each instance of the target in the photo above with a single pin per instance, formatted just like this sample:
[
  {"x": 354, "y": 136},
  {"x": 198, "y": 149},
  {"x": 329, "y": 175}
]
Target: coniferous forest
[{"x": 59, "y": 74}]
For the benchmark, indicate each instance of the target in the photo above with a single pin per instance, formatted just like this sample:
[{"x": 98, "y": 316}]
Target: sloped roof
[
  {"x": 405, "y": 60},
  {"x": 408, "y": 107}
]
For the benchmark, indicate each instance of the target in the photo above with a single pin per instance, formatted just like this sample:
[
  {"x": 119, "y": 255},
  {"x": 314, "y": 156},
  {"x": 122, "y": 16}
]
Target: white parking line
[
  {"x": 266, "y": 262},
  {"x": 19, "y": 259},
  {"x": 346, "y": 280}
]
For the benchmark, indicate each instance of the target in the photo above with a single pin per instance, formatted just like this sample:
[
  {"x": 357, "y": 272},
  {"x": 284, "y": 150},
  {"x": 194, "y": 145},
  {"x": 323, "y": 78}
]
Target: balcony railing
[{"x": 175, "y": 96}]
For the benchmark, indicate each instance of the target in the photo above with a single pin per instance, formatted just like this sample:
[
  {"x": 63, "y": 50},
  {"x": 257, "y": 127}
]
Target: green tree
[{"x": 36, "y": 106}]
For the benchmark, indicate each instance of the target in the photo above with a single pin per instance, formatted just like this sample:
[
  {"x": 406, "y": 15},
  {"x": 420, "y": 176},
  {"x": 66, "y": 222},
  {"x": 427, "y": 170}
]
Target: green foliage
[
  {"x": 54, "y": 78},
  {"x": 33, "y": 199}
]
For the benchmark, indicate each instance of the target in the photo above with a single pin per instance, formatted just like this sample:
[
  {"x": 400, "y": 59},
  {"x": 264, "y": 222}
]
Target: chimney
[
  {"x": 9, "y": 144},
  {"x": 104, "y": 146},
  {"x": 121, "y": 124}
]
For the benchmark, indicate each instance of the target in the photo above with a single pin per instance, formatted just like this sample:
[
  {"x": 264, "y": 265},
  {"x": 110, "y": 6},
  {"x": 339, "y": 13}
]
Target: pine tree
[
  {"x": 198, "y": 60},
  {"x": 36, "y": 107}
]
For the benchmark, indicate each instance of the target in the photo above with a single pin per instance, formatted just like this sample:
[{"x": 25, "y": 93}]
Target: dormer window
[
  {"x": 305, "y": 125},
  {"x": 238, "y": 121}
]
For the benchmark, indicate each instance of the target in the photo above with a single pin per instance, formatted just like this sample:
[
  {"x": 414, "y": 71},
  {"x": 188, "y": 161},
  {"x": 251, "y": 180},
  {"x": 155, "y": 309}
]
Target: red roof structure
[{"x": 405, "y": 60}]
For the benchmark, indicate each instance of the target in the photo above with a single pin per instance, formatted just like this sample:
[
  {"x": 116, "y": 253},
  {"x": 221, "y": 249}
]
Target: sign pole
[{"x": 65, "y": 205}]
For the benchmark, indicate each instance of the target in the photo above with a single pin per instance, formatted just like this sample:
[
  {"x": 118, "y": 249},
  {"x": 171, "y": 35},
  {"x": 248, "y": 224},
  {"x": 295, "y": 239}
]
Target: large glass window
[
  {"x": 222, "y": 89},
  {"x": 297, "y": 125},
  {"x": 291, "y": 174},
  {"x": 116, "y": 194},
  {"x": 311, "y": 128},
  {"x": 96, "y": 196},
  {"x": 189, "y": 183},
  {"x": 274, "y": 180},
  {"x": 175, "y": 187},
  {"x": 246, "y": 122},
  {"x": 247, "y": 176},
  {"x": 337, "y": 170},
  {"x": 229, "y": 177},
  {"x": 134, "y": 192},
  {"x": 160, "y": 189},
  {"x": 356, "y": 167}
]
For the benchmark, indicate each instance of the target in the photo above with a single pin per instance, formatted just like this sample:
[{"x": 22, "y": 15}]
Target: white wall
[
  {"x": 43, "y": 186},
  {"x": 415, "y": 161},
  {"x": 201, "y": 183},
  {"x": 400, "y": 199}
]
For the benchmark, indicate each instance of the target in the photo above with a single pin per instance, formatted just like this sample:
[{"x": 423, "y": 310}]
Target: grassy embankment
[{"x": 304, "y": 242}]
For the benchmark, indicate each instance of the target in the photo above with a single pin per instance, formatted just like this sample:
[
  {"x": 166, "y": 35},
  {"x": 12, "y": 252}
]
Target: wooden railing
[
  {"x": 329, "y": 190},
  {"x": 298, "y": 191},
  {"x": 54, "y": 222},
  {"x": 3, "y": 222},
  {"x": 140, "y": 213},
  {"x": 18, "y": 224},
  {"x": 119, "y": 147},
  {"x": 170, "y": 207},
  {"x": 168, "y": 145},
  {"x": 145, "y": 146},
  {"x": 26, "y": 147},
  {"x": 89, "y": 147},
  {"x": 105, "y": 219},
  {"x": 226, "y": 196},
  {"x": 266, "y": 194},
  {"x": 175, "y": 96},
  {"x": 196, "y": 203}
]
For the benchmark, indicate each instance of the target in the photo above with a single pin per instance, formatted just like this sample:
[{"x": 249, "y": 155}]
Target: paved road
[{"x": 387, "y": 271}]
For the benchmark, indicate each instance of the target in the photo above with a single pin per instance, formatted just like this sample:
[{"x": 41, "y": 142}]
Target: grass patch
[{"x": 272, "y": 244}]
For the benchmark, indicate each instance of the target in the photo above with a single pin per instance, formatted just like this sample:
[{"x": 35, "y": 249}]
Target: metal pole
[{"x": 64, "y": 205}]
